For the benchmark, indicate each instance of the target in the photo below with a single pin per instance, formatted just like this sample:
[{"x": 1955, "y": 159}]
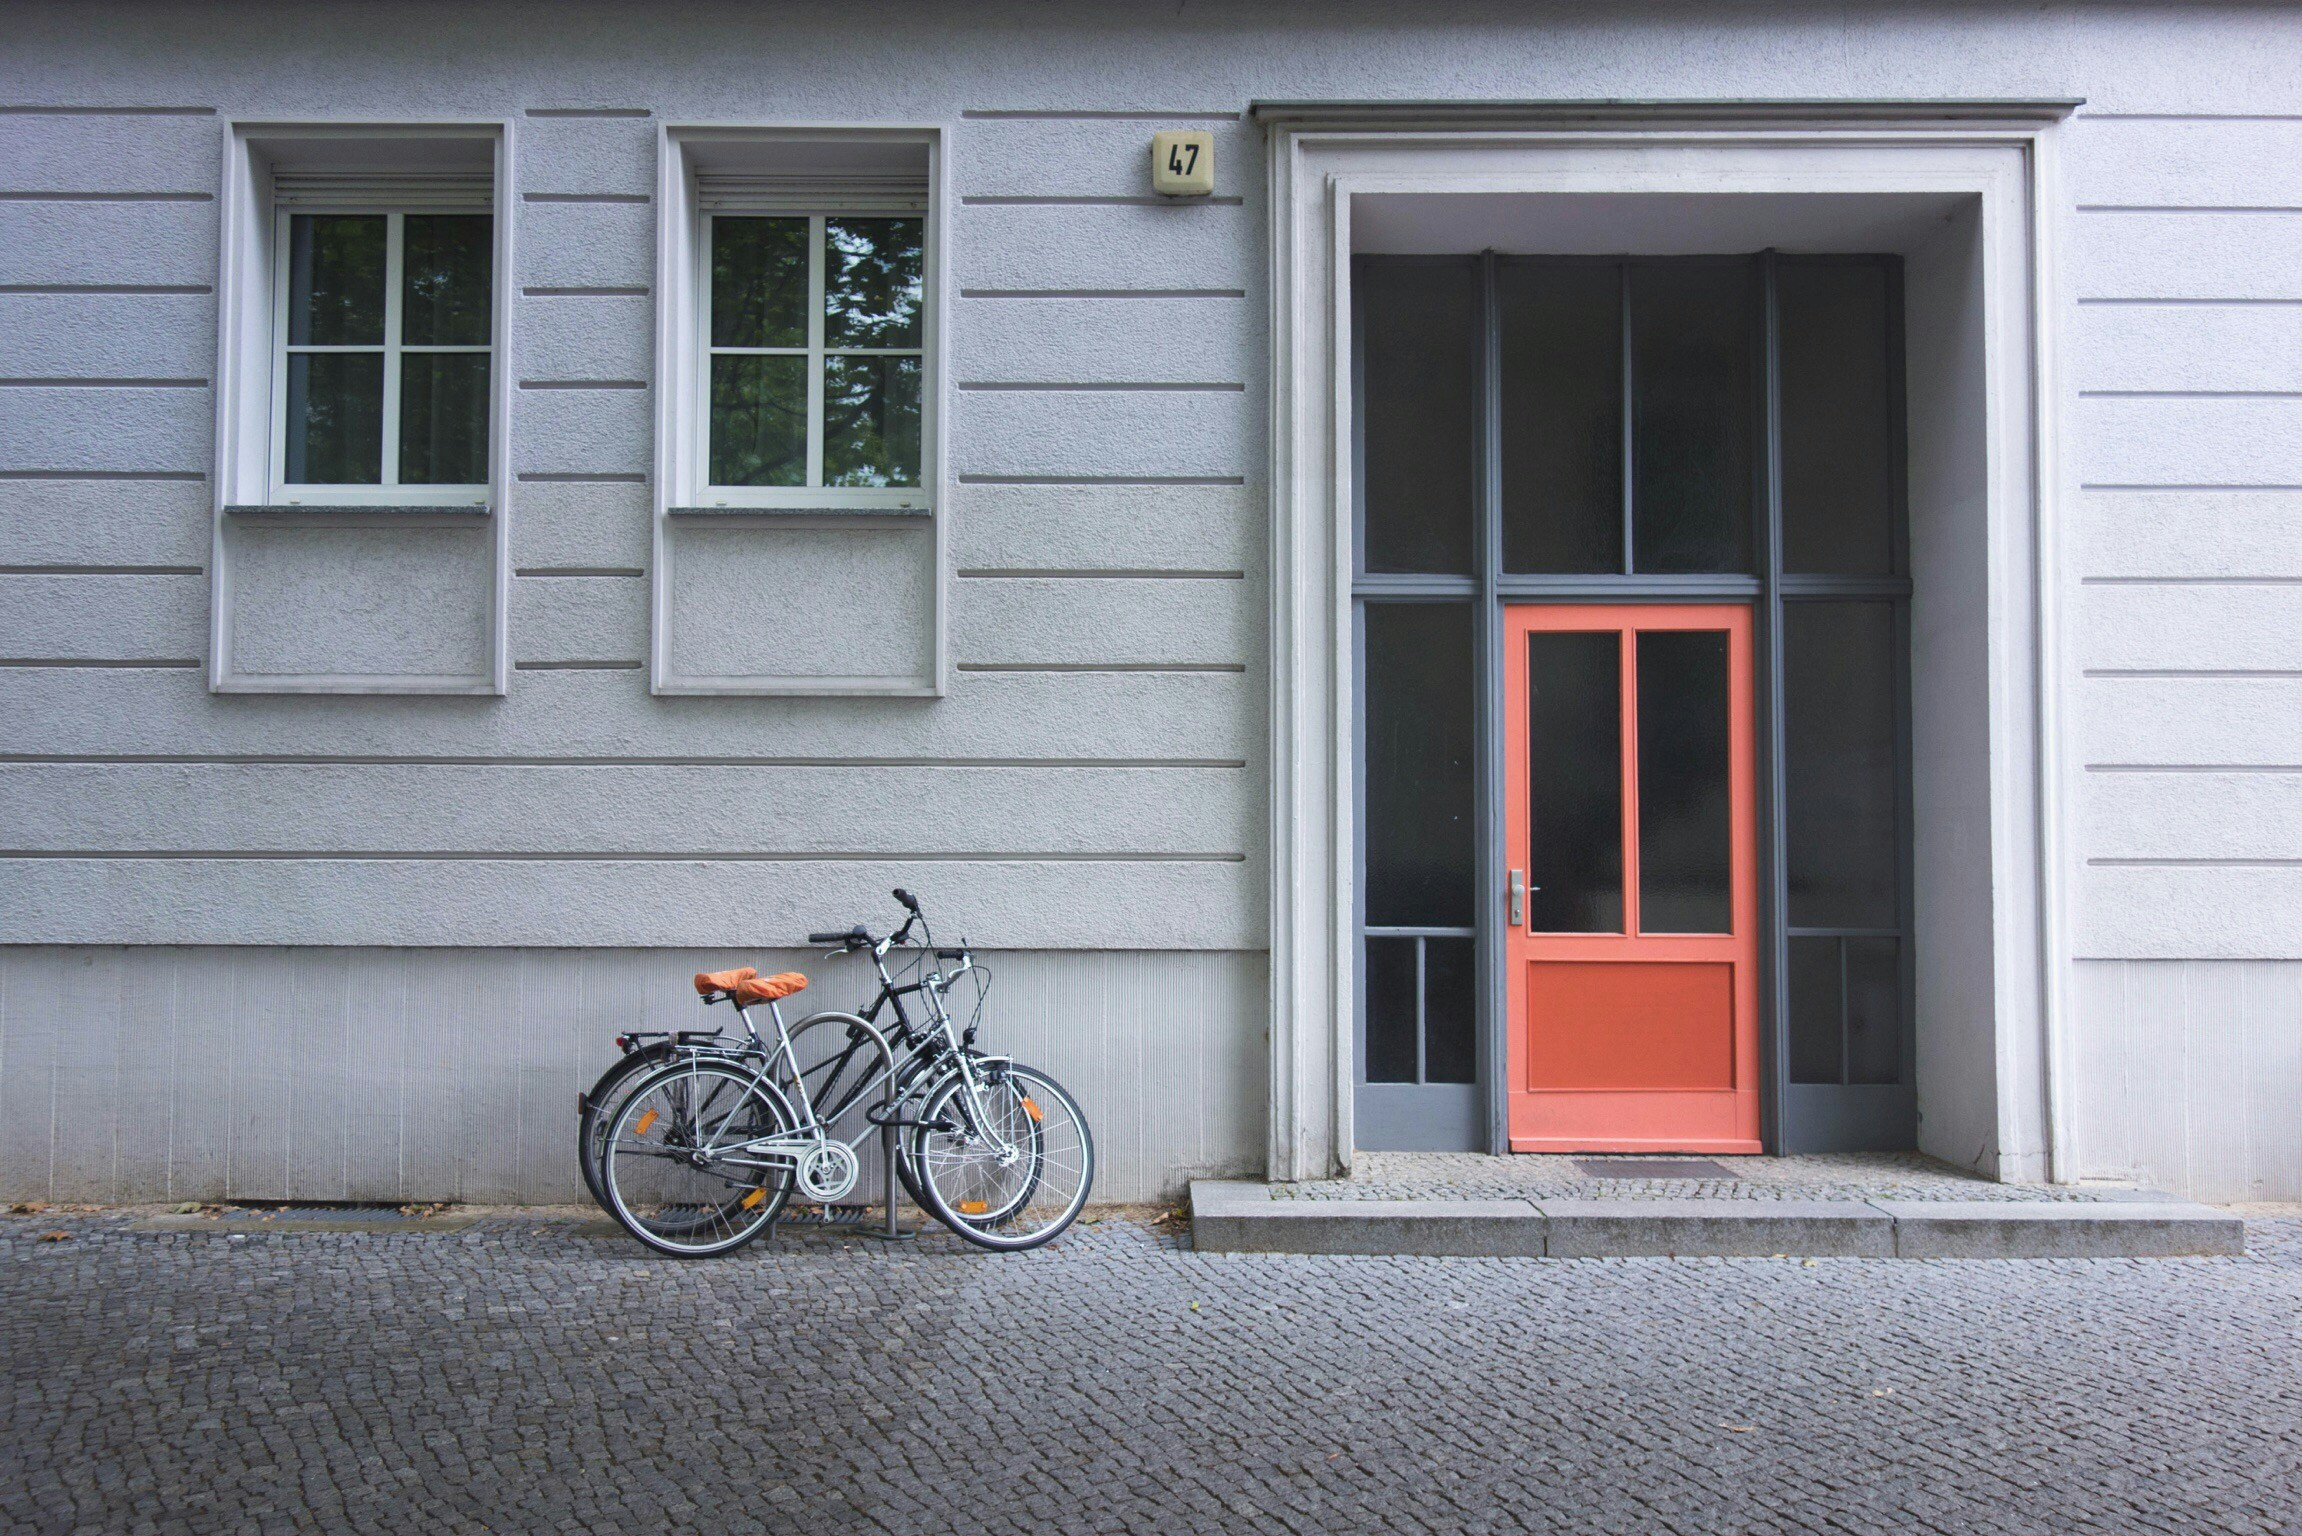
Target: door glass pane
[
  {"x": 1812, "y": 993},
  {"x": 871, "y": 282},
  {"x": 1419, "y": 754},
  {"x": 759, "y": 419},
  {"x": 1873, "y": 1011},
  {"x": 758, "y": 284},
  {"x": 1450, "y": 1011},
  {"x": 1839, "y": 764},
  {"x": 443, "y": 418},
  {"x": 871, "y": 420},
  {"x": 1418, "y": 339},
  {"x": 335, "y": 418},
  {"x": 1574, "y": 782},
  {"x": 1691, "y": 426},
  {"x": 1391, "y": 1044},
  {"x": 445, "y": 277},
  {"x": 1562, "y": 416},
  {"x": 1838, "y": 435},
  {"x": 335, "y": 281},
  {"x": 1685, "y": 839}
]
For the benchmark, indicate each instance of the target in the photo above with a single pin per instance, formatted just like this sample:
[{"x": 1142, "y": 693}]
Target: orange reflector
[
  {"x": 1031, "y": 1108},
  {"x": 645, "y": 1121},
  {"x": 754, "y": 1198},
  {"x": 972, "y": 1207}
]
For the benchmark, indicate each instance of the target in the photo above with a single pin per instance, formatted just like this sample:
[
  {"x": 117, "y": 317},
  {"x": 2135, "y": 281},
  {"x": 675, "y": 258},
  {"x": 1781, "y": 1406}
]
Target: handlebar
[{"x": 853, "y": 938}]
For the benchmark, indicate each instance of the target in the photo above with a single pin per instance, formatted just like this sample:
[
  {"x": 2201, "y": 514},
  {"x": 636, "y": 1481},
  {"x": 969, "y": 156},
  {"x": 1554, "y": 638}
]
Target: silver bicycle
[{"x": 703, "y": 1153}]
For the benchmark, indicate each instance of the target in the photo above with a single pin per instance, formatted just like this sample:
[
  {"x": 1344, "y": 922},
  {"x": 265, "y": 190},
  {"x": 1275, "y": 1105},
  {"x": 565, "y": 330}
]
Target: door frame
[{"x": 2003, "y": 966}]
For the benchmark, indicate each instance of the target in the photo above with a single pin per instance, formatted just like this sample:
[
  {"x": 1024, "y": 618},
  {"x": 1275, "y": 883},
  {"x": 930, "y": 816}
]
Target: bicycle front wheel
[
  {"x": 1007, "y": 1164},
  {"x": 677, "y": 1171}
]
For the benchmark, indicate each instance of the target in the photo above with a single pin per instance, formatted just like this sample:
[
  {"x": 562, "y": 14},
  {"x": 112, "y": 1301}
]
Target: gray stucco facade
[{"x": 337, "y": 846}]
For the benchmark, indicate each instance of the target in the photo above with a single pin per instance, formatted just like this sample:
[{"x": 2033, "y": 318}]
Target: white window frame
[
  {"x": 814, "y": 495},
  {"x": 388, "y": 491}
]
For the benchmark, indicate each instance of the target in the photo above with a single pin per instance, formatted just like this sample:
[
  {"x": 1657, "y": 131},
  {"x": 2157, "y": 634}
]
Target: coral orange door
[{"x": 1631, "y": 814}]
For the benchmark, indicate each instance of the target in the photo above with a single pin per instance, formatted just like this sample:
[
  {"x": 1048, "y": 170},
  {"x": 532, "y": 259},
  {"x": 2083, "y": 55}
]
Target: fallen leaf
[
  {"x": 26, "y": 1208},
  {"x": 55, "y": 1237},
  {"x": 1740, "y": 1429},
  {"x": 188, "y": 1208},
  {"x": 1882, "y": 1392}
]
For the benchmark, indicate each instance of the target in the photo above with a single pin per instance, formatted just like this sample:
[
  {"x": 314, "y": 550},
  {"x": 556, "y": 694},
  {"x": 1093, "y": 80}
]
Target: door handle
[{"x": 1518, "y": 898}]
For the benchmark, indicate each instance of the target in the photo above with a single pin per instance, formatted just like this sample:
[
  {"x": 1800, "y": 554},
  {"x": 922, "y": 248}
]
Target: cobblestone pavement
[
  {"x": 521, "y": 1376},
  {"x": 1813, "y": 1176}
]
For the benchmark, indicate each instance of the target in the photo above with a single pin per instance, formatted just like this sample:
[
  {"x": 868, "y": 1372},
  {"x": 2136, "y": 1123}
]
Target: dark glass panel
[
  {"x": 759, "y": 419},
  {"x": 871, "y": 420},
  {"x": 336, "y": 281},
  {"x": 1419, "y": 753},
  {"x": 1392, "y": 1050},
  {"x": 335, "y": 418},
  {"x": 1685, "y": 837},
  {"x": 446, "y": 273},
  {"x": 1691, "y": 427},
  {"x": 1562, "y": 416},
  {"x": 871, "y": 283},
  {"x": 1837, "y": 418},
  {"x": 1575, "y": 784},
  {"x": 1839, "y": 764},
  {"x": 1812, "y": 993},
  {"x": 443, "y": 418},
  {"x": 1450, "y": 1011},
  {"x": 758, "y": 283},
  {"x": 1873, "y": 1011},
  {"x": 1418, "y": 338}
]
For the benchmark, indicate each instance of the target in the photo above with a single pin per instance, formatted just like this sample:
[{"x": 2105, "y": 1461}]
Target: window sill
[
  {"x": 864, "y": 515},
  {"x": 371, "y": 515}
]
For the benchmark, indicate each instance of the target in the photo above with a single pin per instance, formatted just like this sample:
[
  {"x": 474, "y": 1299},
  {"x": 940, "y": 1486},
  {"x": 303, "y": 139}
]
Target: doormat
[{"x": 1654, "y": 1168}]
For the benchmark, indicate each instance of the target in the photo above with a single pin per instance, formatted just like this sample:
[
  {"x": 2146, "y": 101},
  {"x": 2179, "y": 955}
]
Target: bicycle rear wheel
[
  {"x": 675, "y": 1175},
  {"x": 596, "y": 1112},
  {"x": 1008, "y": 1167}
]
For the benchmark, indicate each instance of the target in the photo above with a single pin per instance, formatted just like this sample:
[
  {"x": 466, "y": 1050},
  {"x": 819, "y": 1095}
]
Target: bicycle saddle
[{"x": 746, "y": 986}]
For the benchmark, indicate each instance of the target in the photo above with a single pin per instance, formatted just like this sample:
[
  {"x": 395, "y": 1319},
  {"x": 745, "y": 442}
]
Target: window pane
[
  {"x": 1575, "y": 782},
  {"x": 1815, "y": 1044},
  {"x": 1873, "y": 1011},
  {"x": 871, "y": 286},
  {"x": 445, "y": 277},
  {"x": 1691, "y": 386},
  {"x": 1685, "y": 842},
  {"x": 443, "y": 418},
  {"x": 758, "y": 285},
  {"x": 1837, "y": 418},
  {"x": 1418, "y": 337},
  {"x": 1419, "y": 755},
  {"x": 1450, "y": 1011},
  {"x": 1839, "y": 764},
  {"x": 871, "y": 420},
  {"x": 335, "y": 418},
  {"x": 335, "y": 280},
  {"x": 759, "y": 420},
  {"x": 1391, "y": 1045},
  {"x": 1562, "y": 416}
]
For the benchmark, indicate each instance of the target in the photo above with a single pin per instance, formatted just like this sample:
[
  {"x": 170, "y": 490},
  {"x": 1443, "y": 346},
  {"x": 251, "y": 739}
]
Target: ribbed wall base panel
[{"x": 137, "y": 1074}]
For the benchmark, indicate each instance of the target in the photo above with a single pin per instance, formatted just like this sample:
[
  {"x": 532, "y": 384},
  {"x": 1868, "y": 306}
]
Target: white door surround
[{"x": 1966, "y": 192}]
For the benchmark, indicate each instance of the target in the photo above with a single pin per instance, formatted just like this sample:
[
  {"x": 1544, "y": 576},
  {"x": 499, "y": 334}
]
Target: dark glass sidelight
[
  {"x": 1686, "y": 841},
  {"x": 1839, "y": 764},
  {"x": 1450, "y": 1010},
  {"x": 1836, "y": 366},
  {"x": 1575, "y": 782},
  {"x": 1418, "y": 412},
  {"x": 1873, "y": 1010},
  {"x": 1561, "y": 415},
  {"x": 1392, "y": 1047},
  {"x": 1692, "y": 416},
  {"x": 1845, "y": 1001},
  {"x": 1811, "y": 993},
  {"x": 1419, "y": 754}
]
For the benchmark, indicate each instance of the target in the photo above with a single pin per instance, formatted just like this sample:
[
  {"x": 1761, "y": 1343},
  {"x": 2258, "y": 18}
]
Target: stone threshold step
[{"x": 1229, "y": 1216}]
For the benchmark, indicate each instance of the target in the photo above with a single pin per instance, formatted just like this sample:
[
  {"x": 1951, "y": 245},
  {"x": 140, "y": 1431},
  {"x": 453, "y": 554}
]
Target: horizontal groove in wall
[
  {"x": 37, "y": 383},
  {"x": 1102, "y": 479},
  {"x": 589, "y": 112},
  {"x": 174, "y": 475},
  {"x": 621, "y": 856},
  {"x": 157, "y": 665},
  {"x": 1113, "y": 201},
  {"x": 2189, "y": 208},
  {"x": 2190, "y": 581},
  {"x": 615, "y": 478},
  {"x": 2226, "y": 485},
  {"x": 389, "y": 760},
  {"x": 107, "y": 197},
  {"x": 1086, "y": 115},
  {"x": 578, "y": 570},
  {"x": 33, "y": 109},
  {"x": 2190, "y": 394},
  {"x": 1103, "y": 293},
  {"x": 2195, "y": 863},
  {"x": 583, "y": 383},
  {"x": 577, "y": 666},
  {"x": 2194, "y": 767},
  {"x": 102, "y": 570},
  {"x": 586, "y": 197},
  {"x": 609, "y": 292},
  {"x": 2189, "y": 117},
  {"x": 2172, "y": 303},
  {"x": 1102, "y": 666},
  {"x": 141, "y": 289},
  {"x": 1090, "y": 574},
  {"x": 2179, "y": 672},
  {"x": 1008, "y": 386}
]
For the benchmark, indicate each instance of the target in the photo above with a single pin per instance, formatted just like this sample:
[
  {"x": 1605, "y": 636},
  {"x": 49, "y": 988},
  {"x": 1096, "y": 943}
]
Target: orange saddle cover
[{"x": 747, "y": 986}]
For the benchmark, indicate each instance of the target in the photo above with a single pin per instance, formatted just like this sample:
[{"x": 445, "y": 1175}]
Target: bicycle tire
[
  {"x": 670, "y": 1201},
  {"x": 1007, "y": 1203},
  {"x": 595, "y": 1115}
]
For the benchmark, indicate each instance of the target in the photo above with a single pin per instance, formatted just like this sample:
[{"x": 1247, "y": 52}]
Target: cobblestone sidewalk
[{"x": 520, "y": 1376}]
